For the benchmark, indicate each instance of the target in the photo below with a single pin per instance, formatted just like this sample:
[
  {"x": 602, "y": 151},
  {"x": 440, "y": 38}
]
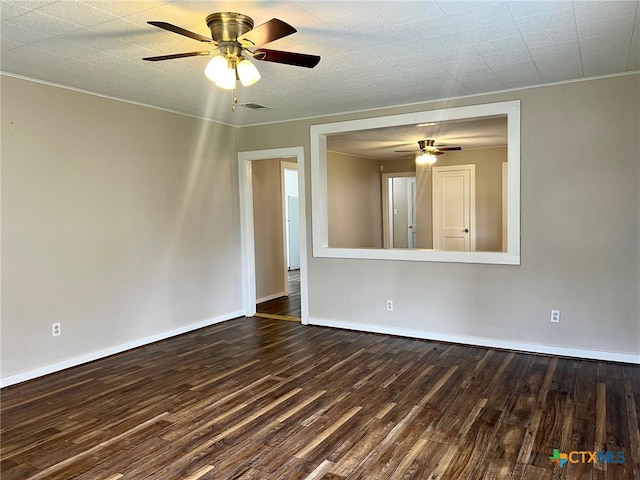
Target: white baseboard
[
  {"x": 402, "y": 332},
  {"x": 481, "y": 341},
  {"x": 270, "y": 297},
  {"x": 90, "y": 357}
]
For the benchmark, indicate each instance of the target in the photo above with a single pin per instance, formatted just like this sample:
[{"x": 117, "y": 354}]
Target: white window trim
[{"x": 318, "y": 140}]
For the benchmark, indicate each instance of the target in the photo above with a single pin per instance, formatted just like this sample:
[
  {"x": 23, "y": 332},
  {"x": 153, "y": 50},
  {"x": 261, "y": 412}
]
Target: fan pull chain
[{"x": 234, "y": 100}]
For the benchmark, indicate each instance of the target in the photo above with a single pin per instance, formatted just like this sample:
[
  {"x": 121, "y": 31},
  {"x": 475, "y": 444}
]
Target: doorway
[
  {"x": 284, "y": 303},
  {"x": 290, "y": 213},
  {"x": 245, "y": 163},
  {"x": 400, "y": 227}
]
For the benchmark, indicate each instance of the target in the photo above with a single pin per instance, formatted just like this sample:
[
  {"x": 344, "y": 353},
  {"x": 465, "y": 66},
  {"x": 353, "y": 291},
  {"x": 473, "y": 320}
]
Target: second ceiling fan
[
  {"x": 428, "y": 151},
  {"x": 234, "y": 39}
]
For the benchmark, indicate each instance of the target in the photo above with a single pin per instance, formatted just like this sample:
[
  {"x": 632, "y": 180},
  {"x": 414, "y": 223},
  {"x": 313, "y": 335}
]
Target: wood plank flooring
[
  {"x": 265, "y": 399},
  {"x": 286, "y": 307}
]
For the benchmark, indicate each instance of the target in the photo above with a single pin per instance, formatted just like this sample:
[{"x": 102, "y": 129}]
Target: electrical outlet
[
  {"x": 390, "y": 305},
  {"x": 55, "y": 329},
  {"x": 555, "y": 316}
]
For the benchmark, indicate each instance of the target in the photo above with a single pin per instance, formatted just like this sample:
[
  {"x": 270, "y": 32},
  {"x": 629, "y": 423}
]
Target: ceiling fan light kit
[
  {"x": 247, "y": 72},
  {"x": 223, "y": 71},
  {"x": 218, "y": 72},
  {"x": 425, "y": 159},
  {"x": 233, "y": 37},
  {"x": 428, "y": 151}
]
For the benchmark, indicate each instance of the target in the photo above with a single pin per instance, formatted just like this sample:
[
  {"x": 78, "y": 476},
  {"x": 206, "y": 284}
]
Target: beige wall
[
  {"x": 353, "y": 201},
  {"x": 119, "y": 221},
  {"x": 488, "y": 187},
  {"x": 488, "y": 164},
  {"x": 268, "y": 233},
  {"x": 580, "y": 225},
  {"x": 399, "y": 165}
]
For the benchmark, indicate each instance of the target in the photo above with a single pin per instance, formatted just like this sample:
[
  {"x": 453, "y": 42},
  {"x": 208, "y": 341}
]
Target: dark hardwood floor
[
  {"x": 284, "y": 306},
  {"x": 264, "y": 399}
]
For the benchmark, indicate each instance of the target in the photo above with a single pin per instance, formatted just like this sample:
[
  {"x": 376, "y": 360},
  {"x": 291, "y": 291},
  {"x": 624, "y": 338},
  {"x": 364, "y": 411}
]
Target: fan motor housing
[{"x": 228, "y": 26}]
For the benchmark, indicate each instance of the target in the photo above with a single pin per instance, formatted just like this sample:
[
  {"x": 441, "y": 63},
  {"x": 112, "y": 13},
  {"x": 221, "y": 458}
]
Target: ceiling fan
[
  {"x": 234, "y": 39},
  {"x": 428, "y": 150}
]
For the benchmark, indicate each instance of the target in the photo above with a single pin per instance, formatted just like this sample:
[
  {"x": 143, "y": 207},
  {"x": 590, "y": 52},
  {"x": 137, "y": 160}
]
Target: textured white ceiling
[
  {"x": 384, "y": 143},
  {"x": 374, "y": 53}
]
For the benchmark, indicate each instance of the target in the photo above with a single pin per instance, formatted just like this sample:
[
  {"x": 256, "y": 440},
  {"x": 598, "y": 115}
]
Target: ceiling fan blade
[
  {"x": 181, "y": 31},
  {"x": 176, "y": 55},
  {"x": 289, "y": 58},
  {"x": 267, "y": 32},
  {"x": 448, "y": 149},
  {"x": 406, "y": 150}
]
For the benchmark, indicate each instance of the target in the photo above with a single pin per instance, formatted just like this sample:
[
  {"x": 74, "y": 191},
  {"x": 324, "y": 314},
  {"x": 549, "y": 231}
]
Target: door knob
[{"x": 466, "y": 230}]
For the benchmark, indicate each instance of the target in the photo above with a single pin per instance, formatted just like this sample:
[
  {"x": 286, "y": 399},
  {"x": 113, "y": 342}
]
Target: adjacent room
[{"x": 320, "y": 240}]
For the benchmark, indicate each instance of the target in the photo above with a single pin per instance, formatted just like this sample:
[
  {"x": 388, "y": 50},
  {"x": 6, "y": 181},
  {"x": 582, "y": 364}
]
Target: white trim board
[
  {"x": 387, "y": 215},
  {"x": 437, "y": 101},
  {"x": 246, "y": 224},
  {"x": 117, "y": 99},
  {"x": 481, "y": 341},
  {"x": 97, "y": 355},
  {"x": 319, "y": 188}
]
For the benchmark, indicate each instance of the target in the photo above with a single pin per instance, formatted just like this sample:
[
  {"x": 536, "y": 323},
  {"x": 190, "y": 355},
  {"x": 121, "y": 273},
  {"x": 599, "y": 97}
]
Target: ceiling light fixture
[
  {"x": 225, "y": 70},
  {"x": 425, "y": 159},
  {"x": 247, "y": 72},
  {"x": 235, "y": 38}
]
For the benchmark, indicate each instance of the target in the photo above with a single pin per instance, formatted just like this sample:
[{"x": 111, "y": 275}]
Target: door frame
[
  {"x": 412, "y": 207},
  {"x": 387, "y": 207},
  {"x": 245, "y": 184},
  {"x": 505, "y": 203},
  {"x": 435, "y": 171},
  {"x": 284, "y": 165}
]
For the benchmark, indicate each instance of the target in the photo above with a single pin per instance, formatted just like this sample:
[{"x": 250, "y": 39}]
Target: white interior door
[
  {"x": 290, "y": 213},
  {"x": 293, "y": 238},
  {"x": 397, "y": 205},
  {"x": 411, "y": 212},
  {"x": 454, "y": 207}
]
